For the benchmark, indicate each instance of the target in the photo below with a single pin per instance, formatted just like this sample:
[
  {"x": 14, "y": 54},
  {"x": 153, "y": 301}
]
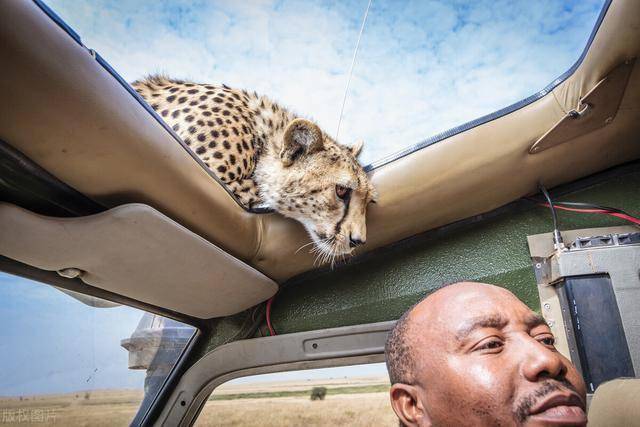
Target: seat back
[{"x": 616, "y": 404}]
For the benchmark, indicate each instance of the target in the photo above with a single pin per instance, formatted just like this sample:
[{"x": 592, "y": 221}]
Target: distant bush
[{"x": 318, "y": 393}]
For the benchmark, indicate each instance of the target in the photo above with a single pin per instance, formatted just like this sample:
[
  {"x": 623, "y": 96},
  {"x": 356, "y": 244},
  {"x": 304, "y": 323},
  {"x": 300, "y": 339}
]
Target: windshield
[
  {"x": 70, "y": 359},
  {"x": 421, "y": 67}
]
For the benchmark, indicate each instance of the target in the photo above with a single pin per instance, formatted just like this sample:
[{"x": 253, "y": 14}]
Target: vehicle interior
[{"x": 100, "y": 199}]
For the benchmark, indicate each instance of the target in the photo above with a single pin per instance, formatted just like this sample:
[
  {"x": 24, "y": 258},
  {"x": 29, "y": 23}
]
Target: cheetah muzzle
[{"x": 269, "y": 157}]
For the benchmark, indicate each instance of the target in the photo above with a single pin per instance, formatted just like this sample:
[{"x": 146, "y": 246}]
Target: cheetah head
[{"x": 318, "y": 182}]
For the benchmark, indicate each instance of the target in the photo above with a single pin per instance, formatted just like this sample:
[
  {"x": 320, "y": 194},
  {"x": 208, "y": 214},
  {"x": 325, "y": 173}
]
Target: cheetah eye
[{"x": 342, "y": 192}]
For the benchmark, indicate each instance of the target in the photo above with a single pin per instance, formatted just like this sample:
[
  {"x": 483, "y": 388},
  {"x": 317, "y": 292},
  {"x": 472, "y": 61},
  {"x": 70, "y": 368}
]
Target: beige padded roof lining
[
  {"x": 135, "y": 251},
  {"x": 61, "y": 109}
]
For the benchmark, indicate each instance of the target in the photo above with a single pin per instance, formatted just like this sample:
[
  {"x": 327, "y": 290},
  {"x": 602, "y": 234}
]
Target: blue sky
[
  {"x": 52, "y": 343},
  {"x": 423, "y": 66}
]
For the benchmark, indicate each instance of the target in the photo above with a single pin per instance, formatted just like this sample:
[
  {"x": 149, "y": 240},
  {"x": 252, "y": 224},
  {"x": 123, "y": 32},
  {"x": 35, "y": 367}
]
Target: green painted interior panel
[
  {"x": 491, "y": 248},
  {"x": 384, "y": 284}
]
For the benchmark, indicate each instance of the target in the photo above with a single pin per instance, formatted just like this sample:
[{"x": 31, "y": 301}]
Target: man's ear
[
  {"x": 300, "y": 137},
  {"x": 356, "y": 148},
  {"x": 407, "y": 405}
]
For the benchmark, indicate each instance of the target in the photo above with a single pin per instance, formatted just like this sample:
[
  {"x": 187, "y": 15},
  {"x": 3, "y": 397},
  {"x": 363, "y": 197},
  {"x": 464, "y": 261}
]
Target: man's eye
[
  {"x": 342, "y": 192},
  {"x": 493, "y": 344},
  {"x": 548, "y": 340}
]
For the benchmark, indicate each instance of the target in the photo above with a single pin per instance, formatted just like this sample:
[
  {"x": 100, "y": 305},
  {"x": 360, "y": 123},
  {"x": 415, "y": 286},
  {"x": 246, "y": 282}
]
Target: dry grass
[
  {"x": 357, "y": 410},
  {"x": 296, "y": 385},
  {"x": 351, "y": 409},
  {"x": 102, "y": 408},
  {"x": 118, "y": 407}
]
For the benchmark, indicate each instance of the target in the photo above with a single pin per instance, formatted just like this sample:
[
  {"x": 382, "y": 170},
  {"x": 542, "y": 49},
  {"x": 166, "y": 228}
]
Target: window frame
[{"x": 325, "y": 348}]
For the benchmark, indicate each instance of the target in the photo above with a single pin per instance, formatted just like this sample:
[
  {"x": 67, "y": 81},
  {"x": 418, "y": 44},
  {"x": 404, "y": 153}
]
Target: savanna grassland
[{"x": 349, "y": 402}]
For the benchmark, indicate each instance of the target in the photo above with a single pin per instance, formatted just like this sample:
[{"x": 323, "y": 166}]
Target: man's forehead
[{"x": 450, "y": 310}]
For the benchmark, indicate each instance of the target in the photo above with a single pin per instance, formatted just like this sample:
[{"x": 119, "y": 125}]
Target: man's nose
[{"x": 542, "y": 362}]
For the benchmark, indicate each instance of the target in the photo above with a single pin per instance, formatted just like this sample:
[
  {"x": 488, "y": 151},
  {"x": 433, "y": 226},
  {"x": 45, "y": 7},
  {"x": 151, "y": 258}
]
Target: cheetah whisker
[
  {"x": 324, "y": 251},
  {"x": 304, "y": 246}
]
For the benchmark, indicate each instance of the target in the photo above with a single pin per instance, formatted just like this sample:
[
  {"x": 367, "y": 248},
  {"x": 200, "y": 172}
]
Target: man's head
[{"x": 472, "y": 354}]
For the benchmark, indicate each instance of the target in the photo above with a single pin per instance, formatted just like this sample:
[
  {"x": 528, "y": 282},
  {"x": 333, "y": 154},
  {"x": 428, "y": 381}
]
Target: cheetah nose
[{"x": 355, "y": 242}]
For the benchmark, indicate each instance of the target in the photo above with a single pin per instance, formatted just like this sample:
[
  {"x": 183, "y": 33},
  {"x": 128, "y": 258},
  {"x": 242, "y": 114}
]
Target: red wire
[
  {"x": 627, "y": 217},
  {"x": 596, "y": 211},
  {"x": 271, "y": 330}
]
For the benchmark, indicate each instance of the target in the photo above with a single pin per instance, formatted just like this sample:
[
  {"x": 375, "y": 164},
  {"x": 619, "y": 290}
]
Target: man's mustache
[{"x": 524, "y": 405}]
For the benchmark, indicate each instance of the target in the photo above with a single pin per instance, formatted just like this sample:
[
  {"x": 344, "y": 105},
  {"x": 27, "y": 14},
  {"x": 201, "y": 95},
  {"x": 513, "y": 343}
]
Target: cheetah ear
[
  {"x": 300, "y": 137},
  {"x": 356, "y": 148}
]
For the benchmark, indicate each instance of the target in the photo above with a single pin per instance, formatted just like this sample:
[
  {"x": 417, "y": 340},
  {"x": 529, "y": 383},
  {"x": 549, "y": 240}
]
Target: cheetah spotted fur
[{"x": 269, "y": 157}]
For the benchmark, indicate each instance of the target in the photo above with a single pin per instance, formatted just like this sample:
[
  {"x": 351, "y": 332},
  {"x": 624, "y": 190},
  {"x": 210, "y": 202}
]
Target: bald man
[{"x": 472, "y": 354}]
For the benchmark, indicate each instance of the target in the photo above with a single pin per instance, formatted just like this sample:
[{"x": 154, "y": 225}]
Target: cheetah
[{"x": 269, "y": 157}]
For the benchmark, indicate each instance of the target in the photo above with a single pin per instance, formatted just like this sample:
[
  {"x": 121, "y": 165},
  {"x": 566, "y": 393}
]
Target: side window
[
  {"x": 71, "y": 359},
  {"x": 346, "y": 396}
]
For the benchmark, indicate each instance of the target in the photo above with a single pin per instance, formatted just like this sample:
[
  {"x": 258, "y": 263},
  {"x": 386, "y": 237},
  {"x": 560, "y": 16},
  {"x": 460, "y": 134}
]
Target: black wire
[
  {"x": 583, "y": 205},
  {"x": 243, "y": 332},
  {"x": 592, "y": 206},
  {"x": 557, "y": 237},
  {"x": 240, "y": 333},
  {"x": 256, "y": 323},
  {"x": 554, "y": 214}
]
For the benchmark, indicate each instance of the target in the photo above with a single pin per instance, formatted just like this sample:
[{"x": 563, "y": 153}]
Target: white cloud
[{"x": 423, "y": 67}]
